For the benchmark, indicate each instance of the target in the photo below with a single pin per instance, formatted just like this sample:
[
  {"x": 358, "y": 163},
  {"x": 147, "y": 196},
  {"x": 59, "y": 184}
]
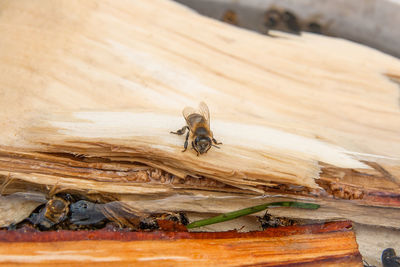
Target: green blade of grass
[{"x": 239, "y": 213}]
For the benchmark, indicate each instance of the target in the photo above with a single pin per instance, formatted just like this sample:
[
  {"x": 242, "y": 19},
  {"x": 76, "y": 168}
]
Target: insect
[
  {"x": 389, "y": 258},
  {"x": 54, "y": 212},
  {"x": 198, "y": 125},
  {"x": 85, "y": 213}
]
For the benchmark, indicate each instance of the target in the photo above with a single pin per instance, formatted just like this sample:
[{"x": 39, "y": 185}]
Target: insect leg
[
  {"x": 186, "y": 142},
  {"x": 207, "y": 149},
  {"x": 195, "y": 148},
  {"x": 181, "y": 131},
  {"x": 215, "y": 142}
]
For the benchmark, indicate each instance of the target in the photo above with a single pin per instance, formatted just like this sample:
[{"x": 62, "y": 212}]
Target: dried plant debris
[
  {"x": 71, "y": 212},
  {"x": 86, "y": 213},
  {"x": 65, "y": 211},
  {"x": 268, "y": 221},
  {"x": 250, "y": 210},
  {"x": 16, "y": 207}
]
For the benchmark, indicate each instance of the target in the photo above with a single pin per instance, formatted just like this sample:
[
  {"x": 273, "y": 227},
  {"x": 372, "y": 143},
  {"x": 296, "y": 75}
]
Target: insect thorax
[{"x": 201, "y": 131}]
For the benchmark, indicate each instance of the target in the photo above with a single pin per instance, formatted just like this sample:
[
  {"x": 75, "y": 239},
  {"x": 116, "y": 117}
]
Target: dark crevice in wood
[{"x": 24, "y": 235}]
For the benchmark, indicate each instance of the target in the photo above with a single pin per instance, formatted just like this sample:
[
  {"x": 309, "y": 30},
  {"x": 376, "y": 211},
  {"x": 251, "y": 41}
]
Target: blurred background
[{"x": 374, "y": 23}]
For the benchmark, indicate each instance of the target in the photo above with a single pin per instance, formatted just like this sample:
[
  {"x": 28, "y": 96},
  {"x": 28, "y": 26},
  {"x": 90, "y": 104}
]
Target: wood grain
[
  {"x": 331, "y": 244},
  {"x": 90, "y": 91}
]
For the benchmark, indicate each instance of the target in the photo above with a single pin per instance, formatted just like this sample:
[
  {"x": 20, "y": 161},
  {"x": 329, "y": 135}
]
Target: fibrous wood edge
[{"x": 148, "y": 189}]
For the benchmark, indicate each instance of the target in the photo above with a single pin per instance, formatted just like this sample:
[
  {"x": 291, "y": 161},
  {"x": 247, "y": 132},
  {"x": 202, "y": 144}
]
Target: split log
[
  {"x": 332, "y": 244},
  {"x": 91, "y": 91}
]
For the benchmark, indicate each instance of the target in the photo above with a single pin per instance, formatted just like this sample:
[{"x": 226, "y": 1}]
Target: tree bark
[{"x": 332, "y": 244}]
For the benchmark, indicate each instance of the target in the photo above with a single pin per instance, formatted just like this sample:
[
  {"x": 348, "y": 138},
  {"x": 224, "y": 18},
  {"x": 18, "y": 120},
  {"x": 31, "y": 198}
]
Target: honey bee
[
  {"x": 389, "y": 258},
  {"x": 55, "y": 211},
  {"x": 198, "y": 125}
]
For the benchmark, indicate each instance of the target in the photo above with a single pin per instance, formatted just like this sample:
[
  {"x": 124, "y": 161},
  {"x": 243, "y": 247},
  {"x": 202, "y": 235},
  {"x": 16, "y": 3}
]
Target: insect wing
[
  {"x": 203, "y": 110},
  {"x": 187, "y": 111}
]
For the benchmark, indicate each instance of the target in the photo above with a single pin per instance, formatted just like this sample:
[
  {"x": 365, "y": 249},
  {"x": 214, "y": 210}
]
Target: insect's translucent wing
[
  {"x": 187, "y": 111},
  {"x": 203, "y": 110}
]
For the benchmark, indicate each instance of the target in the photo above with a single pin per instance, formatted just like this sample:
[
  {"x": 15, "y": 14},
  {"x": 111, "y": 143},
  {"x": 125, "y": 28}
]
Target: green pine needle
[{"x": 239, "y": 213}]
